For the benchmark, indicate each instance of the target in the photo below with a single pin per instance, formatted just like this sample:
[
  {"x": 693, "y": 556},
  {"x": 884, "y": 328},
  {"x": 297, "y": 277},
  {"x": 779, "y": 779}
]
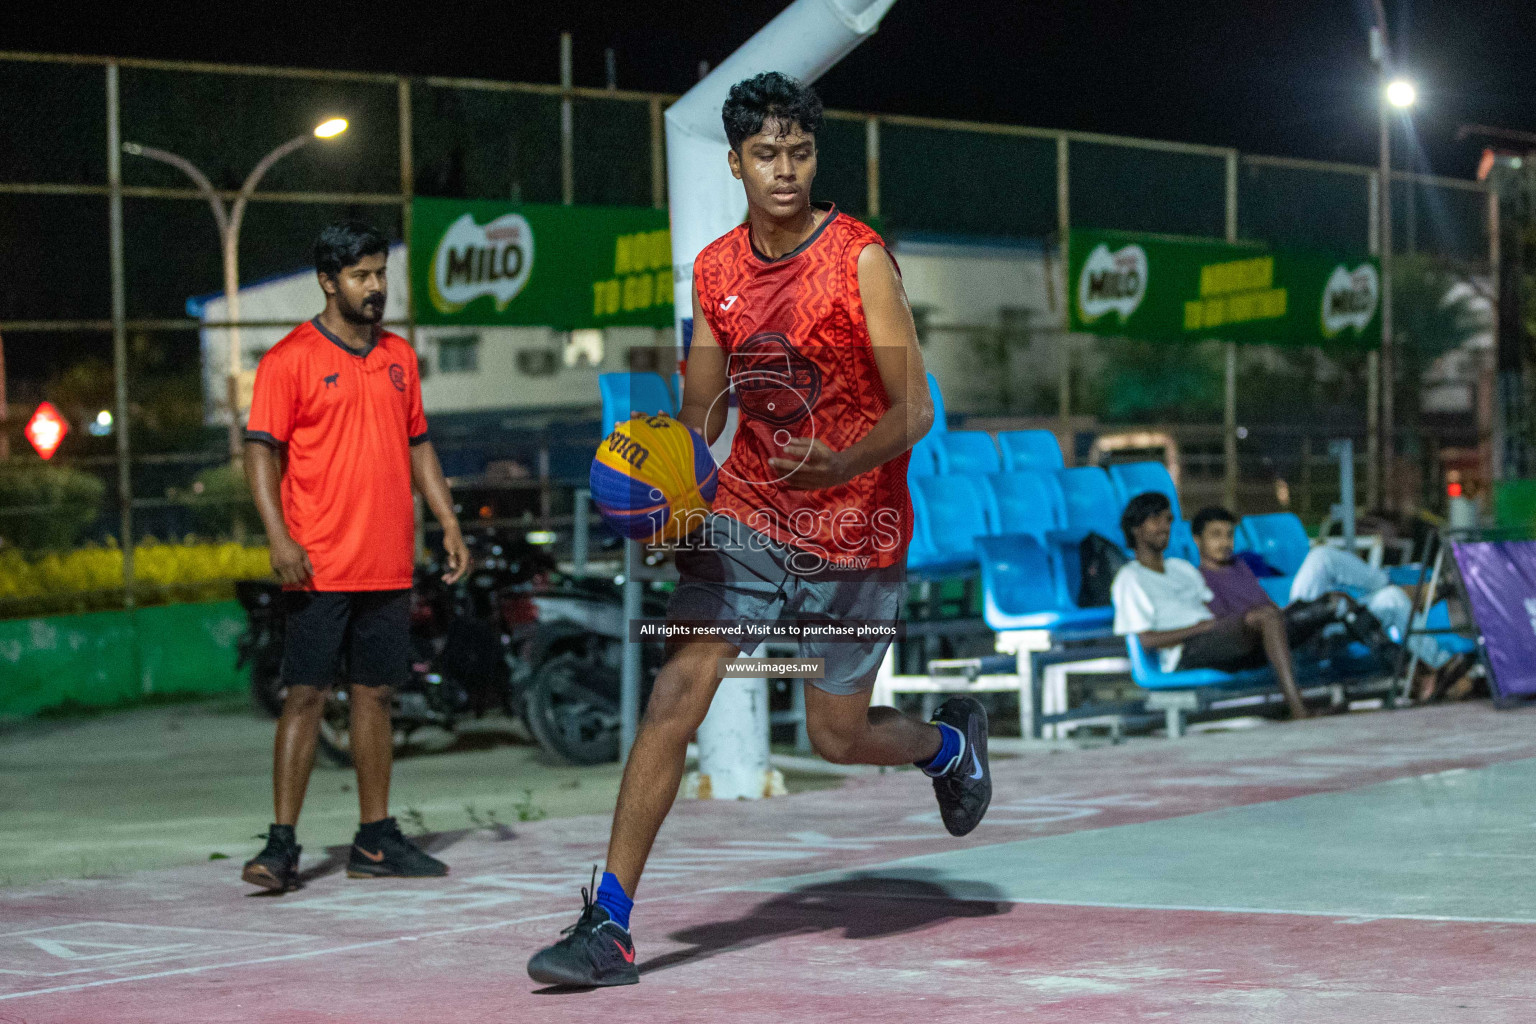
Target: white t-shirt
[{"x": 1147, "y": 601}]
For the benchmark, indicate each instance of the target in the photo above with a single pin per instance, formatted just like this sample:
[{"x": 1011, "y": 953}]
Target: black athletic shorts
[{"x": 373, "y": 628}]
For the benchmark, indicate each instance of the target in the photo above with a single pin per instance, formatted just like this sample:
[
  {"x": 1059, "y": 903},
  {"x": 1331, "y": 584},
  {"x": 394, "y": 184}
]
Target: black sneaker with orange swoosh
[
  {"x": 595, "y": 952},
  {"x": 382, "y": 851}
]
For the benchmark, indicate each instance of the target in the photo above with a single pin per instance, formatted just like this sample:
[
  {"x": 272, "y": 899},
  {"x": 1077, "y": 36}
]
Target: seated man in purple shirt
[{"x": 1236, "y": 590}]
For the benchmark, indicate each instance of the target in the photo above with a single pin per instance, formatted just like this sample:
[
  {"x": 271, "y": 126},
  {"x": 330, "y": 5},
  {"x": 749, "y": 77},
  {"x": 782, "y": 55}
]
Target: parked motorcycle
[
  {"x": 511, "y": 636},
  {"x": 573, "y": 695}
]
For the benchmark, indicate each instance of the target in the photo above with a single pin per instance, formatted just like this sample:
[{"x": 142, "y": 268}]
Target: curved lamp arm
[
  {"x": 188, "y": 168},
  {"x": 237, "y": 210}
]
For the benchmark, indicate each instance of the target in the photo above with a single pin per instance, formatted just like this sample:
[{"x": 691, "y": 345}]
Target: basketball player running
[
  {"x": 802, "y": 309},
  {"x": 335, "y": 441}
]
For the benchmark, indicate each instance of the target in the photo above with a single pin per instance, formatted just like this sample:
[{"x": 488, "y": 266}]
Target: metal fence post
[
  {"x": 629, "y": 694},
  {"x": 658, "y": 156},
  {"x": 1063, "y": 233},
  {"x": 872, "y": 167},
  {"x": 1373, "y": 359},
  {"x": 567, "y": 125},
  {"x": 119, "y": 331},
  {"x": 1229, "y": 405}
]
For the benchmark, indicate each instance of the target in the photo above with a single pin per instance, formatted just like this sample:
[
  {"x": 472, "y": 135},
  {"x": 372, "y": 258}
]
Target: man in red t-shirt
[
  {"x": 335, "y": 442},
  {"x": 800, "y": 314}
]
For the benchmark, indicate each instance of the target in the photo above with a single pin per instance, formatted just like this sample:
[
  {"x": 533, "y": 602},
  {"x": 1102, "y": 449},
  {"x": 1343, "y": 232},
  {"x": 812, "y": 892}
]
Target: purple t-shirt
[{"x": 1235, "y": 587}]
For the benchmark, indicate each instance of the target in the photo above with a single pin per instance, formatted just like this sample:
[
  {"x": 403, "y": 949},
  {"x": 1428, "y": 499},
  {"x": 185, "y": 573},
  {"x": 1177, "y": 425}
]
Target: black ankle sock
[
  {"x": 282, "y": 833},
  {"x": 373, "y": 829}
]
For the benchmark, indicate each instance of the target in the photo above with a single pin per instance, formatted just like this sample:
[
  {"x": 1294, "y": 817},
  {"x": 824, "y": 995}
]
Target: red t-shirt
[
  {"x": 799, "y": 359},
  {"x": 346, "y": 422}
]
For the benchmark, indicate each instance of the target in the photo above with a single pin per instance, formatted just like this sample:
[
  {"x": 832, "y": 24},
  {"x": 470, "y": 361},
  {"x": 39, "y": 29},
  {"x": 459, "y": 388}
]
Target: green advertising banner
[
  {"x": 1160, "y": 289},
  {"x": 484, "y": 263}
]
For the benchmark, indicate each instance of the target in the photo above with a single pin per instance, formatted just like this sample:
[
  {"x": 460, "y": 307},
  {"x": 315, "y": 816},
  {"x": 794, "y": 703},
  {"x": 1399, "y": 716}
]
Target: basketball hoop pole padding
[{"x": 807, "y": 38}]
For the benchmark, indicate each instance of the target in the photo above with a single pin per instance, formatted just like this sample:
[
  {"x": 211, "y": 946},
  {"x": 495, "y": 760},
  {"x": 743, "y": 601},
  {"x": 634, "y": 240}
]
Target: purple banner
[{"x": 1500, "y": 577}]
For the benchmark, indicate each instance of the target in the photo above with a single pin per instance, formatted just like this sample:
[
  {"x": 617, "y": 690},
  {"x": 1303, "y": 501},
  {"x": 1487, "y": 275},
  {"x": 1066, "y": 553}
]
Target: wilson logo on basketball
[{"x": 627, "y": 448}]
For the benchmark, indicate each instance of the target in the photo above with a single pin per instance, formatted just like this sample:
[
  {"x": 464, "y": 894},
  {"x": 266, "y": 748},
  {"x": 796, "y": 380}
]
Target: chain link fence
[{"x": 412, "y": 137}]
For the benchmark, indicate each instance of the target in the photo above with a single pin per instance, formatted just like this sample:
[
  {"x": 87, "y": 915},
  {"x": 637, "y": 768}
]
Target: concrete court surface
[{"x": 1362, "y": 868}]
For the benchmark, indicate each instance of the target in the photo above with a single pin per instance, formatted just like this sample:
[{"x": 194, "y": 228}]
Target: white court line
[
  {"x": 759, "y": 888},
  {"x": 343, "y": 949}
]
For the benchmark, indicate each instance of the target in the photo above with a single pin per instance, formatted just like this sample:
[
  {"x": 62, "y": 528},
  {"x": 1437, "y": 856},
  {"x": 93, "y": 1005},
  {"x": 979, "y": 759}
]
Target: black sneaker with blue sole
[{"x": 965, "y": 790}]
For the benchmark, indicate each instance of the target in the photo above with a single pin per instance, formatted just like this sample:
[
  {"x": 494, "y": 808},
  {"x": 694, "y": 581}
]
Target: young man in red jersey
[
  {"x": 800, "y": 311},
  {"x": 336, "y": 441}
]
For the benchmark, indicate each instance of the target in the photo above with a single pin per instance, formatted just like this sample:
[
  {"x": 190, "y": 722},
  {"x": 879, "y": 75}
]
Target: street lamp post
[
  {"x": 1399, "y": 94},
  {"x": 228, "y": 222}
]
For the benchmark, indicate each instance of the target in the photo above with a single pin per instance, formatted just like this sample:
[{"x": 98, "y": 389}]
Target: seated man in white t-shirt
[{"x": 1163, "y": 602}]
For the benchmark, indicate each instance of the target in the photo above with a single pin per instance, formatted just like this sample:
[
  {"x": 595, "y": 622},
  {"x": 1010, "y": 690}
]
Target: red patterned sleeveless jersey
[{"x": 799, "y": 360}]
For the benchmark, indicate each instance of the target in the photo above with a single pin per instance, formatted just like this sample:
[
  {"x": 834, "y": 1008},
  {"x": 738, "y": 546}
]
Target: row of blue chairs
[{"x": 952, "y": 511}]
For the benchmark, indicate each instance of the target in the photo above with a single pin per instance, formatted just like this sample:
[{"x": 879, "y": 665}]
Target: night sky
[{"x": 1287, "y": 77}]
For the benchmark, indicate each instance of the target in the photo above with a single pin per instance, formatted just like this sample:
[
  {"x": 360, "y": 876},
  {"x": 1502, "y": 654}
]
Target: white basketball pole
[{"x": 807, "y": 38}]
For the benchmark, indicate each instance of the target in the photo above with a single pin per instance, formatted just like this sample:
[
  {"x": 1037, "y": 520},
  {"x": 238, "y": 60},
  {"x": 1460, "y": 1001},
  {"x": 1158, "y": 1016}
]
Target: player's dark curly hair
[
  {"x": 1138, "y": 510},
  {"x": 770, "y": 96},
  {"x": 1206, "y": 516},
  {"x": 345, "y": 242}
]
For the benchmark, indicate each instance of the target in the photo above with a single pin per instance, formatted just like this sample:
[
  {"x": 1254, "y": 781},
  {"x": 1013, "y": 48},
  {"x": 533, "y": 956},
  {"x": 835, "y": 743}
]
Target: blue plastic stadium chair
[
  {"x": 1090, "y": 501},
  {"x": 1026, "y": 501},
  {"x": 1132, "y": 478},
  {"x": 1030, "y": 449},
  {"x": 1019, "y": 587},
  {"x": 970, "y": 452},
  {"x": 1147, "y": 674},
  {"x": 1278, "y": 537},
  {"x": 1437, "y": 624},
  {"x": 1181, "y": 543},
  {"x": 928, "y": 455},
  {"x": 950, "y": 513},
  {"x": 940, "y": 424},
  {"x": 624, "y": 393}
]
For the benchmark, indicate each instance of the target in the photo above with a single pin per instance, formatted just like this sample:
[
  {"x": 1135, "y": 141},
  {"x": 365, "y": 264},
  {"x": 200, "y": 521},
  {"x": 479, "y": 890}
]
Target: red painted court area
[{"x": 1361, "y": 868}]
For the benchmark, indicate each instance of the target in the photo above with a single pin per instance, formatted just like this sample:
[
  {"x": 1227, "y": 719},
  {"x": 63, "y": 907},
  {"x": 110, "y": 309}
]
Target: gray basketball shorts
[{"x": 731, "y": 573}]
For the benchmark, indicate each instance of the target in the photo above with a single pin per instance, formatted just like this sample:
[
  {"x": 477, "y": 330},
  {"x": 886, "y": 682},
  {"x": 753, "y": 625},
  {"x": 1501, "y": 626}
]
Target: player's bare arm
[
  {"x": 704, "y": 382},
  {"x": 893, "y": 341},
  {"x": 264, "y": 473},
  {"x": 427, "y": 477}
]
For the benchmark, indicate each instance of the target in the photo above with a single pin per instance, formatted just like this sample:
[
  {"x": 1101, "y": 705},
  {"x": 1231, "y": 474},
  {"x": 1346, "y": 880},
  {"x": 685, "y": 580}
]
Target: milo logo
[
  {"x": 474, "y": 260},
  {"x": 1111, "y": 281},
  {"x": 1350, "y": 299}
]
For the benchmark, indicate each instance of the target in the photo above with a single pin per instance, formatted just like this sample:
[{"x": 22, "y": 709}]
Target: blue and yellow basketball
[{"x": 653, "y": 478}]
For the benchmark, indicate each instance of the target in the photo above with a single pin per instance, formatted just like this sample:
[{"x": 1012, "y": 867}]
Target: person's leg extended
[
  {"x": 293, "y": 753},
  {"x": 373, "y": 749},
  {"x": 951, "y": 750},
  {"x": 379, "y": 655},
  {"x": 844, "y": 729},
  {"x": 315, "y": 624},
  {"x": 598, "y": 950},
  {"x": 1328, "y": 568},
  {"x": 684, "y": 689},
  {"x": 1269, "y": 622}
]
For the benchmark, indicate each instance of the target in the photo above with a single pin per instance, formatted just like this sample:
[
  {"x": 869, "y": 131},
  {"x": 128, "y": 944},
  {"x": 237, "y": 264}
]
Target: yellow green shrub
[{"x": 91, "y": 578}]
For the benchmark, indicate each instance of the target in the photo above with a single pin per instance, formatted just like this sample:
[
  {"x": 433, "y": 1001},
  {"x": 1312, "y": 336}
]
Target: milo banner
[
  {"x": 483, "y": 263},
  {"x": 1160, "y": 289}
]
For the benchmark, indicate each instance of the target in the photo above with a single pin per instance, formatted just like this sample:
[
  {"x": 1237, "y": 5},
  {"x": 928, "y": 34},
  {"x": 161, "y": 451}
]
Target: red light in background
[
  {"x": 46, "y": 430},
  {"x": 1453, "y": 490}
]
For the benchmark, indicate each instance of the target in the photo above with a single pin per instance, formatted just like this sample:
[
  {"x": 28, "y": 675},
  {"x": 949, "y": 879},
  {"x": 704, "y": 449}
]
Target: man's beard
[{"x": 371, "y": 311}]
